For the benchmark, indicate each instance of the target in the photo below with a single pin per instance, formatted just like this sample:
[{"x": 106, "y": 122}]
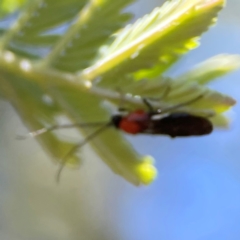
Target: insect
[{"x": 177, "y": 124}]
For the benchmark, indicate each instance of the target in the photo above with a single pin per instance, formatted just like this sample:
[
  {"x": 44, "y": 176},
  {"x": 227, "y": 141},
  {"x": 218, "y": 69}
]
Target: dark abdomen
[{"x": 181, "y": 125}]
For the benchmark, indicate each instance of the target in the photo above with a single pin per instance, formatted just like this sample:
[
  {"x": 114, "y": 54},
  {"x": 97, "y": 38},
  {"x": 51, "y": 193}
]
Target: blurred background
[{"x": 196, "y": 195}]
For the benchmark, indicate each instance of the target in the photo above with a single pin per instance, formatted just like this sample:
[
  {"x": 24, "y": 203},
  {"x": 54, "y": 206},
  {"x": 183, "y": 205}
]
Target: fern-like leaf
[
  {"x": 27, "y": 98},
  {"x": 118, "y": 154},
  {"x": 211, "y": 69},
  {"x": 93, "y": 26},
  {"x": 157, "y": 40},
  {"x": 39, "y": 21},
  {"x": 26, "y": 90},
  {"x": 104, "y": 58},
  {"x": 9, "y": 6}
]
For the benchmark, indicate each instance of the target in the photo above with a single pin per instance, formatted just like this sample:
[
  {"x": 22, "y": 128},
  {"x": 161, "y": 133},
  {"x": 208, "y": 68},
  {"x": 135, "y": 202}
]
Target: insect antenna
[
  {"x": 166, "y": 110},
  {"x": 74, "y": 149},
  {"x": 55, "y": 127}
]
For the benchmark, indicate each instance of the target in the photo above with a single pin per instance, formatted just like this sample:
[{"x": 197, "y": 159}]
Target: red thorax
[{"x": 135, "y": 122}]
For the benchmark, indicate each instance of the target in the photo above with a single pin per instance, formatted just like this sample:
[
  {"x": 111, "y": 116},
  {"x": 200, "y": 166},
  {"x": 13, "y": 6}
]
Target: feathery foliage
[
  {"x": 8, "y": 6},
  {"x": 64, "y": 59},
  {"x": 151, "y": 41}
]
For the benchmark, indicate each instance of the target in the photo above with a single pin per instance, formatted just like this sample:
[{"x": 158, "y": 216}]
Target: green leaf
[
  {"x": 118, "y": 154},
  {"x": 105, "y": 59},
  {"x": 166, "y": 93},
  {"x": 92, "y": 28},
  {"x": 6, "y": 22},
  {"x": 151, "y": 43},
  {"x": 221, "y": 121},
  {"x": 37, "y": 27},
  {"x": 9, "y": 6},
  {"x": 28, "y": 99},
  {"x": 41, "y": 19},
  {"x": 26, "y": 91},
  {"x": 211, "y": 69}
]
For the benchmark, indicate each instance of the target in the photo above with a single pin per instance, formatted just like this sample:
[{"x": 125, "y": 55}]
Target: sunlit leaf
[
  {"x": 9, "y": 6},
  {"x": 211, "y": 69},
  {"x": 42, "y": 19},
  {"x": 93, "y": 26},
  {"x": 63, "y": 60},
  {"x": 28, "y": 99},
  {"x": 157, "y": 40}
]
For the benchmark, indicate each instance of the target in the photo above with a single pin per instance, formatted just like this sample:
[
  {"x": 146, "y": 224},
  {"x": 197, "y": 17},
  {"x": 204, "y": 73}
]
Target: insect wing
[{"x": 180, "y": 125}]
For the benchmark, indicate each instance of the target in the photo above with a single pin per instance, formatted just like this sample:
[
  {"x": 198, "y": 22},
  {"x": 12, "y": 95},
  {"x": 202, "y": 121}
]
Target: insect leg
[
  {"x": 181, "y": 104},
  {"x": 121, "y": 102},
  {"x": 55, "y": 127},
  {"x": 75, "y": 148},
  {"x": 148, "y": 105},
  {"x": 164, "y": 95}
]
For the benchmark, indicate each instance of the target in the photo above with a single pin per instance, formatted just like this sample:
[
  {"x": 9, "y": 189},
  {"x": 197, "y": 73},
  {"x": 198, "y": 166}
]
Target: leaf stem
[{"x": 11, "y": 64}]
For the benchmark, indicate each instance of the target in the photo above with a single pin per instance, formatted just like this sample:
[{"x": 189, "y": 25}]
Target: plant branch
[{"x": 11, "y": 64}]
